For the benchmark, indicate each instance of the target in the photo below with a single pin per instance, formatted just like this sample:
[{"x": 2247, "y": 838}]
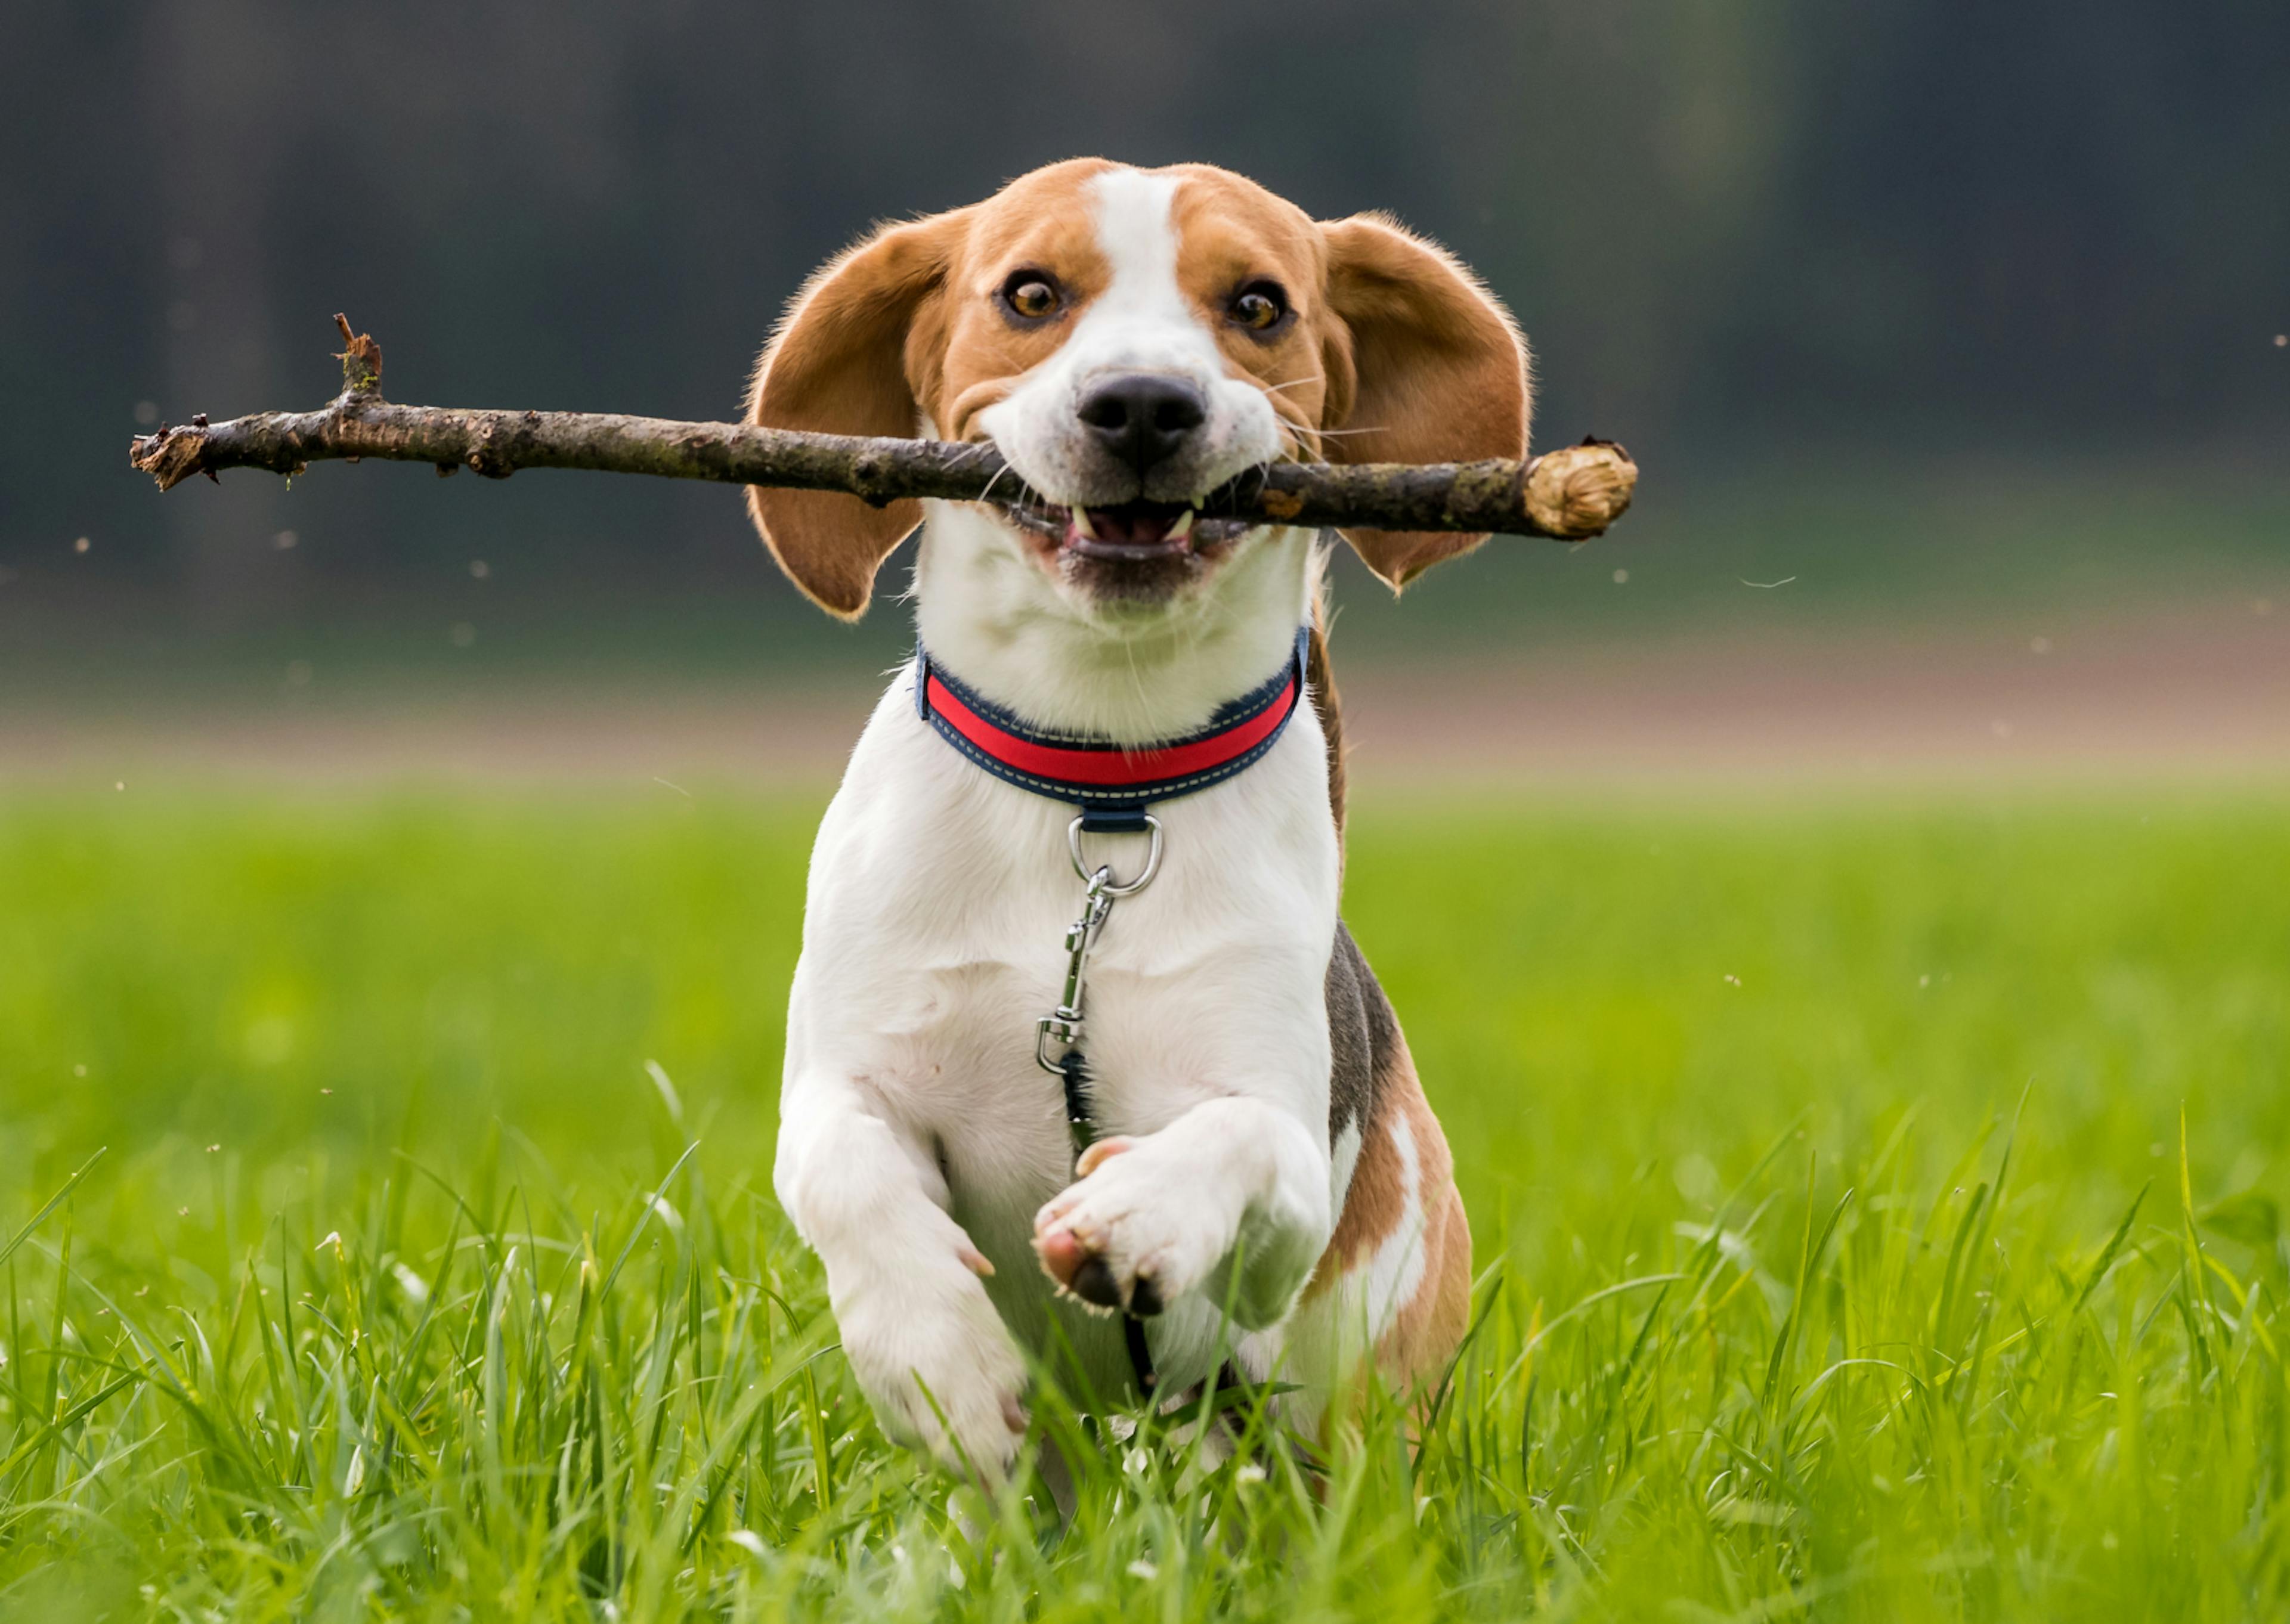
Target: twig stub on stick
[
  {"x": 361, "y": 360},
  {"x": 1569, "y": 494}
]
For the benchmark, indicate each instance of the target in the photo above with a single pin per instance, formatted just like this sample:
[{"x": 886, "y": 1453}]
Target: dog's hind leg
[{"x": 1393, "y": 1287}]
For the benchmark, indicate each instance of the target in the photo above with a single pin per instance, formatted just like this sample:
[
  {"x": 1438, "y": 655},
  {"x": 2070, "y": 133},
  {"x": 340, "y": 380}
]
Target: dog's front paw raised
[
  {"x": 937, "y": 1364},
  {"x": 1135, "y": 1231}
]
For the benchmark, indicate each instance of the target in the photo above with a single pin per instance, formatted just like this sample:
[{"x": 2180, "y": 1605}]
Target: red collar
[{"x": 1112, "y": 783}]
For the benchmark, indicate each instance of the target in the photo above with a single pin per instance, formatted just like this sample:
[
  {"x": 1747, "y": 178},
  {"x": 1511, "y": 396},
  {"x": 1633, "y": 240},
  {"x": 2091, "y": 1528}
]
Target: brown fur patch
[
  {"x": 1425, "y": 1327},
  {"x": 1328, "y": 706},
  {"x": 1429, "y": 1323},
  {"x": 904, "y": 325},
  {"x": 1424, "y": 365},
  {"x": 838, "y": 366}
]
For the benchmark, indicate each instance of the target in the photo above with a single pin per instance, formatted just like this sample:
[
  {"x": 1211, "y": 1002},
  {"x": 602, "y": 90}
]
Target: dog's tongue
[
  {"x": 1134, "y": 529},
  {"x": 1134, "y": 524}
]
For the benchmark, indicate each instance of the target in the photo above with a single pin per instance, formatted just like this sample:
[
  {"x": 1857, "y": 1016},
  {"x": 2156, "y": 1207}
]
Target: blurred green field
[
  {"x": 1900, "y": 548},
  {"x": 367, "y": 1309}
]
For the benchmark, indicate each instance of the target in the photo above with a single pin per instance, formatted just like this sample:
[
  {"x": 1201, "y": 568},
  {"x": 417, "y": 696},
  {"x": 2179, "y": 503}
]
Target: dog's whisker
[{"x": 990, "y": 484}]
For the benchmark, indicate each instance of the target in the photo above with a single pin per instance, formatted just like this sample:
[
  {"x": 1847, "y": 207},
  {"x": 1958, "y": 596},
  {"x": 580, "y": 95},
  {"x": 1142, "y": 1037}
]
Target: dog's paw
[
  {"x": 939, "y": 1367},
  {"x": 1139, "y": 1227}
]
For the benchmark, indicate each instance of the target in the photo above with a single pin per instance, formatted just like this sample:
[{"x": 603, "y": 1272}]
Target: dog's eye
[
  {"x": 1260, "y": 306},
  {"x": 1030, "y": 295}
]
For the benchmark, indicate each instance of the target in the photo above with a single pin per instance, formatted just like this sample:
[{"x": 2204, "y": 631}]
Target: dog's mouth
[{"x": 1138, "y": 532}]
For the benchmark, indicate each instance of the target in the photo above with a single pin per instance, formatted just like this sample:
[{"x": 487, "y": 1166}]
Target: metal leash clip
[{"x": 1057, "y": 1034}]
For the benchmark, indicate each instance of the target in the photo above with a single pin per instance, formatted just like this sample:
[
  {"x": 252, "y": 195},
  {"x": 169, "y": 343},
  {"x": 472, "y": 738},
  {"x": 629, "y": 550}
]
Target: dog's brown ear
[
  {"x": 837, "y": 365},
  {"x": 1423, "y": 365}
]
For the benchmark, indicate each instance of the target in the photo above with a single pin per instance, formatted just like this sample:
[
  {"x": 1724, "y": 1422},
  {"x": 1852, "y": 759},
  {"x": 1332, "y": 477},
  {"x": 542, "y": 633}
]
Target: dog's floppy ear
[
  {"x": 1423, "y": 365},
  {"x": 837, "y": 365}
]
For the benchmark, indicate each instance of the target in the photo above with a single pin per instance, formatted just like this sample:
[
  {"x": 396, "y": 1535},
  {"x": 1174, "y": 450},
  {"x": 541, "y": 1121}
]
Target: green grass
[{"x": 1842, "y": 1257}]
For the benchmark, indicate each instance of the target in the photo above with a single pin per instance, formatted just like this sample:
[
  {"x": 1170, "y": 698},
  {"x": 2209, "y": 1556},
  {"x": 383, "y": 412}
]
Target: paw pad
[{"x": 1093, "y": 1282}]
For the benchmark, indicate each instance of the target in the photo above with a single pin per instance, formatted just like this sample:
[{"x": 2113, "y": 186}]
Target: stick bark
[{"x": 1568, "y": 494}]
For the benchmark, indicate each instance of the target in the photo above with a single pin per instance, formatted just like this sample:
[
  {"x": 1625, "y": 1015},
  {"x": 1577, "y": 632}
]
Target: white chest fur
[
  {"x": 920, "y": 1141},
  {"x": 933, "y": 942}
]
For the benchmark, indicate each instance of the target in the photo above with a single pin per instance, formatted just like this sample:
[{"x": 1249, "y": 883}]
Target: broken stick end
[{"x": 170, "y": 456}]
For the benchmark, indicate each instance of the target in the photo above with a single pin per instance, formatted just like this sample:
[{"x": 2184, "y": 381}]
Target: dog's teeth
[
  {"x": 1183, "y": 527},
  {"x": 1081, "y": 522}
]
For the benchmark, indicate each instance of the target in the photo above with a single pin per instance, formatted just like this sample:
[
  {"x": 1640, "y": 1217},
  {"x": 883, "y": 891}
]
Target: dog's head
[{"x": 1130, "y": 340}]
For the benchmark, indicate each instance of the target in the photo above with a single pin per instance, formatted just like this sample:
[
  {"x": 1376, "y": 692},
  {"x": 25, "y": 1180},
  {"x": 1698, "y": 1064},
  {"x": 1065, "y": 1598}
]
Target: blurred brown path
[{"x": 2202, "y": 690}]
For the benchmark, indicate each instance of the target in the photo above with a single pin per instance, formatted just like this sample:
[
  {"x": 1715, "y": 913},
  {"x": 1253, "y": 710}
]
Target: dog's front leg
[
  {"x": 1233, "y": 1181},
  {"x": 925, "y": 1343}
]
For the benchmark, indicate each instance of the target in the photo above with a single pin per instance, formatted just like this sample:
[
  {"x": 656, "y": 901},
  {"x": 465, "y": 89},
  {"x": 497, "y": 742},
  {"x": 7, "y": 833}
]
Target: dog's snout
[{"x": 1143, "y": 417}]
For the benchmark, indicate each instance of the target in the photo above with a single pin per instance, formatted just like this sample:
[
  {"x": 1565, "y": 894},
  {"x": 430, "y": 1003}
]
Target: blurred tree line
[{"x": 1886, "y": 225}]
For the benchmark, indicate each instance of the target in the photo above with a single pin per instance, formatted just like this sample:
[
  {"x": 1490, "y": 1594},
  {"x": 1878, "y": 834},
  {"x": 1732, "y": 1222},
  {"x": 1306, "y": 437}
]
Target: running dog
[{"x": 1079, "y": 1055}]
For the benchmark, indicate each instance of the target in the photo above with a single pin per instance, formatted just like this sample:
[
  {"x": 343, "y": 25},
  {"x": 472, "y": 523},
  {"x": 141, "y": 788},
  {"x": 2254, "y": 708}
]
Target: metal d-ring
[{"x": 1111, "y": 887}]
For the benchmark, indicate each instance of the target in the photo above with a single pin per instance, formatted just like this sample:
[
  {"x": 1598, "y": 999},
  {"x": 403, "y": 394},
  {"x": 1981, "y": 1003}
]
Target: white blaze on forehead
[
  {"x": 1134, "y": 230},
  {"x": 1140, "y": 321},
  {"x": 1142, "y": 317}
]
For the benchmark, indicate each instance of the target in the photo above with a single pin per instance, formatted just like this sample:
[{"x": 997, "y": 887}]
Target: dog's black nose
[{"x": 1143, "y": 417}]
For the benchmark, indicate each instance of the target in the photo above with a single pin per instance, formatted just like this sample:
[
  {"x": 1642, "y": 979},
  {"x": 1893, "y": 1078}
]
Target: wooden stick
[{"x": 1568, "y": 494}]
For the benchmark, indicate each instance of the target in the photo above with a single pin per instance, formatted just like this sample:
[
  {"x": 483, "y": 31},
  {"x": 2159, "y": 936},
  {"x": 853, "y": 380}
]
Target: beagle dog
[{"x": 1181, "y": 1132}]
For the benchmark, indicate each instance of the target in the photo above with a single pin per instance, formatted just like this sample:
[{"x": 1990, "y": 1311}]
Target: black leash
[
  {"x": 1057, "y": 1050},
  {"x": 1082, "y": 1128}
]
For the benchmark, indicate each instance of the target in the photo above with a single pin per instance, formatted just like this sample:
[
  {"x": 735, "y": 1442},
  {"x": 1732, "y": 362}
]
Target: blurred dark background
[{"x": 1819, "y": 265}]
